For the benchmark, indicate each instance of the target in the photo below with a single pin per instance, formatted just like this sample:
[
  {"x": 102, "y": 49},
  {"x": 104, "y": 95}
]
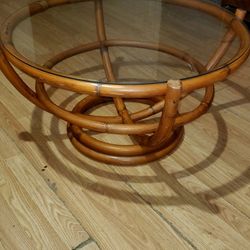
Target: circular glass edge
[{"x": 43, "y": 5}]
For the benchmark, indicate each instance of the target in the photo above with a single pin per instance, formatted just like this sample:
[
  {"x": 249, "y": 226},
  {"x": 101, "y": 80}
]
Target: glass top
[{"x": 129, "y": 42}]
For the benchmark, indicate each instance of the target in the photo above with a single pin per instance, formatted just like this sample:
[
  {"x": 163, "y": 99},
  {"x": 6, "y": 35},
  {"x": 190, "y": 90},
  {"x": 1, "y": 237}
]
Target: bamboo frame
[{"x": 166, "y": 134}]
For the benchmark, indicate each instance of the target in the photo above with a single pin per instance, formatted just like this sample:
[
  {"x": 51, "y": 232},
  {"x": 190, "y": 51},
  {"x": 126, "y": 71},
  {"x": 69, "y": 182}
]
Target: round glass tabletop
[{"x": 127, "y": 42}]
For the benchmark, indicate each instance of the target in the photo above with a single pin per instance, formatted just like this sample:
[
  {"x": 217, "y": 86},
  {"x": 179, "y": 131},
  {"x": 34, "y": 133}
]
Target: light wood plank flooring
[{"x": 52, "y": 197}]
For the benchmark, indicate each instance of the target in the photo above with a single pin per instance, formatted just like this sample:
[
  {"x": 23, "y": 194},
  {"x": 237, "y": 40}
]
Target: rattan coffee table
[{"x": 165, "y": 50}]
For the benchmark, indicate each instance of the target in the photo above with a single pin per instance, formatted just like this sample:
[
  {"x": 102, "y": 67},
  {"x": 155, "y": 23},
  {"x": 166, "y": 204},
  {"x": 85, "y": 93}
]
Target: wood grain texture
[
  {"x": 1, "y": 246},
  {"x": 38, "y": 210},
  {"x": 50, "y": 195},
  {"x": 13, "y": 235}
]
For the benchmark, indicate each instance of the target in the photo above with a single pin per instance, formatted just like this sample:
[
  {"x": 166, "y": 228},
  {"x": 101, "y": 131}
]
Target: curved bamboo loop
[
  {"x": 174, "y": 141},
  {"x": 100, "y": 146},
  {"x": 83, "y": 121}
]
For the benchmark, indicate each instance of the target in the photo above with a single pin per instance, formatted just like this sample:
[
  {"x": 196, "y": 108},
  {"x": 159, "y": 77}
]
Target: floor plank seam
[
  {"x": 174, "y": 228},
  {"x": 90, "y": 239},
  {"x": 53, "y": 187},
  {"x": 84, "y": 243}
]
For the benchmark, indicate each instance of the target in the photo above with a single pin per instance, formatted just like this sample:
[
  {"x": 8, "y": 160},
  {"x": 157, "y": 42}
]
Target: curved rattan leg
[
  {"x": 225, "y": 42},
  {"x": 101, "y": 34},
  {"x": 17, "y": 82},
  {"x": 169, "y": 114}
]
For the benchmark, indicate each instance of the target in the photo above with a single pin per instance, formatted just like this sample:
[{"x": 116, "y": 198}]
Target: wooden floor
[{"x": 52, "y": 197}]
